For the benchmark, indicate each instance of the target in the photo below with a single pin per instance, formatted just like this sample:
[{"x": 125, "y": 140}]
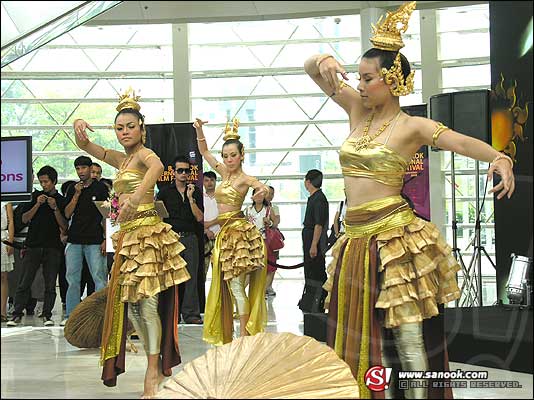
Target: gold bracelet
[
  {"x": 439, "y": 130},
  {"x": 201, "y": 139},
  {"x": 322, "y": 58},
  {"x": 104, "y": 156},
  {"x": 504, "y": 156}
]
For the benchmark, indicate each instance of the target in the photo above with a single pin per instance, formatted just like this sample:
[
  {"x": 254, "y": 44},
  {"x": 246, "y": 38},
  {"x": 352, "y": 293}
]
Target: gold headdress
[
  {"x": 127, "y": 101},
  {"x": 387, "y": 36},
  {"x": 231, "y": 133}
]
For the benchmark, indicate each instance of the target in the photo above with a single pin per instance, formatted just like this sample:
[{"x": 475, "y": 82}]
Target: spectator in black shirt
[
  {"x": 43, "y": 244},
  {"x": 85, "y": 236},
  {"x": 314, "y": 241},
  {"x": 183, "y": 202}
]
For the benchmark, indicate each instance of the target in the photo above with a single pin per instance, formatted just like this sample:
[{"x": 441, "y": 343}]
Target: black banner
[
  {"x": 511, "y": 117},
  {"x": 417, "y": 177},
  {"x": 168, "y": 141}
]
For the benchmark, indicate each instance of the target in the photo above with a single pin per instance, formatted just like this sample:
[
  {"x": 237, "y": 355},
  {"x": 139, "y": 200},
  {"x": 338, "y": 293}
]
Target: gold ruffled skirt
[
  {"x": 417, "y": 267},
  {"x": 240, "y": 247},
  {"x": 151, "y": 256}
]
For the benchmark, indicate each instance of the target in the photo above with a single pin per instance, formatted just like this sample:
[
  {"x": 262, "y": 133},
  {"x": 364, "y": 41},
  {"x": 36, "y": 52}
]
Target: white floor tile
[{"x": 37, "y": 362}]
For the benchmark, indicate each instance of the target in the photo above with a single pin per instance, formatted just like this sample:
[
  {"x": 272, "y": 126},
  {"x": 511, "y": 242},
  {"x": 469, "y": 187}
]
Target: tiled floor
[{"x": 37, "y": 362}]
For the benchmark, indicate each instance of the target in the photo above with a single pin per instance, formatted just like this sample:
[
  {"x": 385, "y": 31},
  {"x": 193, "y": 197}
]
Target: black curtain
[{"x": 511, "y": 61}]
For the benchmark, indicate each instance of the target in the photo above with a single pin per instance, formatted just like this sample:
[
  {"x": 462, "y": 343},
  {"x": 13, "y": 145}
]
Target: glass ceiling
[{"x": 28, "y": 25}]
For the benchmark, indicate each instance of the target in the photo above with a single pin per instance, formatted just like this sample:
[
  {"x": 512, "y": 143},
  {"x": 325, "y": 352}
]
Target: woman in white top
[
  {"x": 8, "y": 233},
  {"x": 256, "y": 214},
  {"x": 260, "y": 214}
]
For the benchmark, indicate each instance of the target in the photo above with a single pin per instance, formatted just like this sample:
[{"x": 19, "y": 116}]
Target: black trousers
[
  {"x": 190, "y": 304},
  {"x": 50, "y": 258},
  {"x": 14, "y": 278},
  {"x": 87, "y": 280},
  {"x": 63, "y": 284},
  {"x": 313, "y": 295}
]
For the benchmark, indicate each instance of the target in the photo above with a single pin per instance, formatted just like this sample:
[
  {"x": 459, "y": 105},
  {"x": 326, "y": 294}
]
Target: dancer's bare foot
[
  {"x": 161, "y": 379},
  {"x": 151, "y": 388}
]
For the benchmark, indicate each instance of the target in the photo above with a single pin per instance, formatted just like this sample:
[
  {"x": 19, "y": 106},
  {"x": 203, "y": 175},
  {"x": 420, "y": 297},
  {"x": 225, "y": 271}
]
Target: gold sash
[{"x": 362, "y": 223}]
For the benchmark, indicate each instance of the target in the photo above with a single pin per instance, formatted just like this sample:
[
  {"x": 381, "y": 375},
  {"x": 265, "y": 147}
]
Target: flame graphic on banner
[{"x": 507, "y": 118}]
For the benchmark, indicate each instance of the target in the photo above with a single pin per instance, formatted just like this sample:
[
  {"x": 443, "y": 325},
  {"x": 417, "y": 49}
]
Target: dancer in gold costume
[
  {"x": 239, "y": 248},
  {"x": 147, "y": 267},
  {"x": 391, "y": 270}
]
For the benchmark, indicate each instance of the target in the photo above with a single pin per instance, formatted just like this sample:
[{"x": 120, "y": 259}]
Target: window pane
[
  {"x": 476, "y": 75},
  {"x": 455, "y": 19},
  {"x": 87, "y": 49}
]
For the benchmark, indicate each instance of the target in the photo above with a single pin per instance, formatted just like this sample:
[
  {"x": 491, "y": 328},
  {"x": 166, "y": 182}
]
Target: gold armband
[
  {"x": 439, "y": 130},
  {"x": 320, "y": 59},
  {"x": 150, "y": 155}
]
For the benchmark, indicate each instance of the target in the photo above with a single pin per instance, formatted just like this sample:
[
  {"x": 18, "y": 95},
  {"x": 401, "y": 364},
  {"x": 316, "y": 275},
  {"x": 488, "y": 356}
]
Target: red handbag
[{"x": 274, "y": 239}]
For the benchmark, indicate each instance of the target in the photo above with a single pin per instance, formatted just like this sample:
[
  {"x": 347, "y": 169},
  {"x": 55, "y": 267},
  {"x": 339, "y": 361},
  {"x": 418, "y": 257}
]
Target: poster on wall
[
  {"x": 417, "y": 178},
  {"x": 417, "y": 183},
  {"x": 170, "y": 140}
]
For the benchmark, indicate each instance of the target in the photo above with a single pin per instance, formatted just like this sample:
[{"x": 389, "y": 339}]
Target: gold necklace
[
  {"x": 363, "y": 141},
  {"x": 231, "y": 179},
  {"x": 127, "y": 161}
]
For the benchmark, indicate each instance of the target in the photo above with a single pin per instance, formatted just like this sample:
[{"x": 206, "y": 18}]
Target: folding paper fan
[
  {"x": 266, "y": 365},
  {"x": 86, "y": 322}
]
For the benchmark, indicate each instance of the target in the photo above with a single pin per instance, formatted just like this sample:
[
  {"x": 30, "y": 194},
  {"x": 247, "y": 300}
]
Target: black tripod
[
  {"x": 472, "y": 276},
  {"x": 455, "y": 250}
]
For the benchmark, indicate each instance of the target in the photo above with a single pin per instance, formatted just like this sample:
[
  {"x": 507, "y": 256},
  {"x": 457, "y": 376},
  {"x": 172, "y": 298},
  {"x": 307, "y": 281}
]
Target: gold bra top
[
  {"x": 128, "y": 180},
  {"x": 376, "y": 162},
  {"x": 227, "y": 194}
]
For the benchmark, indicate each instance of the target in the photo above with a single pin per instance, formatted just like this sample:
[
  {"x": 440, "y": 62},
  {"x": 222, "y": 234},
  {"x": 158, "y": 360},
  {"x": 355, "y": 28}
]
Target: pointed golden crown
[
  {"x": 387, "y": 35},
  {"x": 231, "y": 133},
  {"x": 128, "y": 100}
]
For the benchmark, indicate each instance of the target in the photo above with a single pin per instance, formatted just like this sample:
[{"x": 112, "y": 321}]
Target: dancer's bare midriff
[{"x": 362, "y": 190}]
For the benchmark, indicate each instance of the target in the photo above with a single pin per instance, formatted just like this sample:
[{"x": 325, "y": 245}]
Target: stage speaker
[
  {"x": 416, "y": 110},
  {"x": 466, "y": 112},
  {"x": 471, "y": 114},
  {"x": 441, "y": 108}
]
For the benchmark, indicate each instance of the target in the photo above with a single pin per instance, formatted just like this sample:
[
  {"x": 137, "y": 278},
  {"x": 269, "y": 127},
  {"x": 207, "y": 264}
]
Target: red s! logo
[{"x": 377, "y": 378}]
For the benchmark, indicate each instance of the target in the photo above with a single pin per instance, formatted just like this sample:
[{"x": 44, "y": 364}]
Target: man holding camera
[
  {"x": 85, "y": 238},
  {"x": 44, "y": 216}
]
